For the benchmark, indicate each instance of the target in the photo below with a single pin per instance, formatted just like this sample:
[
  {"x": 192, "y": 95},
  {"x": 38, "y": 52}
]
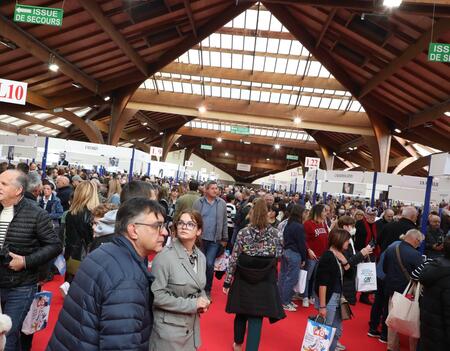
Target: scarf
[{"x": 371, "y": 234}]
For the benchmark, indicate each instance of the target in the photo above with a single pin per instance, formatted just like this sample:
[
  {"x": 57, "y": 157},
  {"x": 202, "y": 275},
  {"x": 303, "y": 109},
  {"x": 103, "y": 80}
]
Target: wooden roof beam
[
  {"x": 187, "y": 6},
  {"x": 94, "y": 9},
  {"x": 234, "y": 161},
  {"x": 325, "y": 26},
  {"x": 441, "y": 27},
  {"x": 103, "y": 127},
  {"x": 34, "y": 47},
  {"x": 38, "y": 121},
  {"x": 430, "y": 114}
]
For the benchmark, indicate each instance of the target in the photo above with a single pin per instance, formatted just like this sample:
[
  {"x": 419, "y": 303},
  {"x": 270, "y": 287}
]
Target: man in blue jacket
[{"x": 109, "y": 303}]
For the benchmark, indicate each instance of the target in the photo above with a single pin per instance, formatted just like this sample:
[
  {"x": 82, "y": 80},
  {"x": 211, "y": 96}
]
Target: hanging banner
[
  {"x": 440, "y": 164},
  {"x": 345, "y": 176},
  {"x": 13, "y": 92},
  {"x": 38, "y": 15},
  {"x": 243, "y": 167}
]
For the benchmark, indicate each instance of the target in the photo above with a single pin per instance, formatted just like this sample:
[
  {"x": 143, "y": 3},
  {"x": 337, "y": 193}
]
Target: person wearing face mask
[{"x": 353, "y": 258}]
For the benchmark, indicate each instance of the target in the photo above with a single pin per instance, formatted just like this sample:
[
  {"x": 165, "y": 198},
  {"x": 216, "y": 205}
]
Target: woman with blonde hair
[
  {"x": 79, "y": 233},
  {"x": 252, "y": 277},
  {"x": 114, "y": 190}
]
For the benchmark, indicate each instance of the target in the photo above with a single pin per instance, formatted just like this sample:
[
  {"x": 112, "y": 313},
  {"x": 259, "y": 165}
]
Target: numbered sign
[
  {"x": 312, "y": 162},
  {"x": 189, "y": 163},
  {"x": 156, "y": 151},
  {"x": 13, "y": 92}
]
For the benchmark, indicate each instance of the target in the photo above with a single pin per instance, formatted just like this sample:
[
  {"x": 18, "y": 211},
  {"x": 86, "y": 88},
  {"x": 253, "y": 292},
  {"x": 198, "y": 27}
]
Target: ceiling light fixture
[
  {"x": 277, "y": 146},
  {"x": 144, "y": 124},
  {"x": 161, "y": 133},
  {"x": 219, "y": 139},
  {"x": 297, "y": 120},
  {"x": 447, "y": 113},
  {"x": 227, "y": 154},
  {"x": 107, "y": 98},
  {"x": 267, "y": 159},
  {"x": 247, "y": 142},
  {"x": 397, "y": 130},
  {"x": 334, "y": 153},
  {"x": 76, "y": 85},
  {"x": 8, "y": 44},
  {"x": 202, "y": 109},
  {"x": 392, "y": 3},
  {"x": 53, "y": 67}
]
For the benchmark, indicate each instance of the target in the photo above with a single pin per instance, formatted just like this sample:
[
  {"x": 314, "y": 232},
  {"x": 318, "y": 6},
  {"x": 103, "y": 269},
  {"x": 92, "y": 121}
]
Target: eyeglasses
[
  {"x": 188, "y": 225},
  {"x": 155, "y": 226}
]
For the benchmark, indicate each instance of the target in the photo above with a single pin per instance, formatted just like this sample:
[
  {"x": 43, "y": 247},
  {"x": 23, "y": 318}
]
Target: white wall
[
  {"x": 199, "y": 163},
  {"x": 285, "y": 176}
]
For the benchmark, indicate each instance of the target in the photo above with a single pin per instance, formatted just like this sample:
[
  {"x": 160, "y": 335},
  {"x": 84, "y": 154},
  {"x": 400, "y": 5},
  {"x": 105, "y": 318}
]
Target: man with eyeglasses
[
  {"x": 109, "y": 303},
  {"x": 215, "y": 228}
]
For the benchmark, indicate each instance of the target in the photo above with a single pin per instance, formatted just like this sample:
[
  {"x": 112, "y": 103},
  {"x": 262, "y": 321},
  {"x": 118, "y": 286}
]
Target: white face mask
[{"x": 352, "y": 231}]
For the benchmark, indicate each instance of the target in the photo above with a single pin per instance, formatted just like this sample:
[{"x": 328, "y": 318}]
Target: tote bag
[
  {"x": 404, "y": 313},
  {"x": 318, "y": 336},
  {"x": 37, "y": 317},
  {"x": 366, "y": 276},
  {"x": 301, "y": 284}
]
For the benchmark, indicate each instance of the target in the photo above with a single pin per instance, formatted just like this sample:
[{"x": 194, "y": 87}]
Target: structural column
[{"x": 380, "y": 145}]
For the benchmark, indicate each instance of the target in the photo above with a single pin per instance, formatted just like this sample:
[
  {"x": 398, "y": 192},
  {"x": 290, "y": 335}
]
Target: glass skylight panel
[
  {"x": 226, "y": 92},
  {"x": 266, "y": 85},
  {"x": 314, "y": 68},
  {"x": 235, "y": 93},
  {"x": 264, "y": 20},
  {"x": 288, "y": 135},
  {"x": 259, "y": 63},
  {"x": 255, "y": 95},
  {"x": 167, "y": 86},
  {"x": 226, "y": 60},
  {"x": 263, "y": 132},
  {"x": 275, "y": 98},
  {"x": 197, "y": 89},
  {"x": 210, "y": 125},
  {"x": 248, "y": 61},
  {"x": 216, "y": 126},
  {"x": 270, "y": 133},
  {"x": 177, "y": 87},
  {"x": 315, "y": 101},
  {"x": 270, "y": 64},
  {"x": 280, "y": 67},
  {"x": 249, "y": 43},
  {"x": 355, "y": 106},
  {"x": 208, "y": 90},
  {"x": 275, "y": 25},
  {"x": 335, "y": 103},
  {"x": 256, "y": 84},
  {"x": 265, "y": 96},
  {"x": 257, "y": 131},
  {"x": 325, "y": 103},
  {"x": 252, "y": 130},
  {"x": 187, "y": 88},
  {"x": 272, "y": 45},
  {"x": 296, "y": 48},
  {"x": 294, "y": 135},
  {"x": 19, "y": 123},
  {"x": 204, "y": 125},
  {"x": 215, "y": 59},
  {"x": 226, "y": 41},
  {"x": 238, "y": 42},
  {"x": 245, "y": 94},
  {"x": 285, "y": 46},
  {"x": 246, "y": 83},
  {"x": 293, "y": 99},
  {"x": 261, "y": 44},
  {"x": 215, "y": 91},
  {"x": 251, "y": 19},
  {"x": 285, "y": 98},
  {"x": 291, "y": 67},
  {"x": 281, "y": 134},
  {"x": 237, "y": 61}
]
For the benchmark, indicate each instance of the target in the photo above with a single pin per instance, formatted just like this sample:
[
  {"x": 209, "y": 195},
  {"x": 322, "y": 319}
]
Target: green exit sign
[
  {"x": 240, "y": 130},
  {"x": 206, "y": 147},
  {"x": 38, "y": 15},
  {"x": 439, "y": 52},
  {"x": 292, "y": 157}
]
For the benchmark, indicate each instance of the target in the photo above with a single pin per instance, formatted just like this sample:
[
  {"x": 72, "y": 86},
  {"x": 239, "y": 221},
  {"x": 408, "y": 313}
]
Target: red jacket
[{"x": 316, "y": 236}]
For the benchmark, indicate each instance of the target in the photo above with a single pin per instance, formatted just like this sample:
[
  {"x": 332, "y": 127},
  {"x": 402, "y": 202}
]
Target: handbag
[
  {"x": 37, "y": 316},
  {"x": 301, "y": 284},
  {"x": 346, "y": 311},
  {"x": 318, "y": 336},
  {"x": 404, "y": 313},
  {"x": 366, "y": 277}
]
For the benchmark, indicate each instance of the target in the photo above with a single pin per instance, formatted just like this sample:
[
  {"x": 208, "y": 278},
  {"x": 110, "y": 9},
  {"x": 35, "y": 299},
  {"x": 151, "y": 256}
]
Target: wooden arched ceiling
[{"x": 378, "y": 55}]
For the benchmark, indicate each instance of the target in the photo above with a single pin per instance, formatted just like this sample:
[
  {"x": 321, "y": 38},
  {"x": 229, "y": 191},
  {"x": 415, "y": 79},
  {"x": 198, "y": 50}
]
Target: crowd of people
[{"x": 140, "y": 256}]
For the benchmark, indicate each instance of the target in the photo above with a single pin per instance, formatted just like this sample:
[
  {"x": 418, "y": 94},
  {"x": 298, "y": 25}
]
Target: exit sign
[
  {"x": 439, "y": 52},
  {"x": 205, "y": 147},
  {"x": 38, "y": 15},
  {"x": 240, "y": 130},
  {"x": 292, "y": 157}
]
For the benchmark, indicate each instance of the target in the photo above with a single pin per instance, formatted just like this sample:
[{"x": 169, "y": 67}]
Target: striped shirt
[
  {"x": 6, "y": 217},
  {"x": 231, "y": 214}
]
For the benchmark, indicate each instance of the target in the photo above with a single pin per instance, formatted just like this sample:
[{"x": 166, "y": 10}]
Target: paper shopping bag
[
  {"x": 221, "y": 263},
  {"x": 318, "y": 336},
  {"x": 37, "y": 317},
  {"x": 301, "y": 284},
  {"x": 366, "y": 277},
  {"x": 404, "y": 313}
]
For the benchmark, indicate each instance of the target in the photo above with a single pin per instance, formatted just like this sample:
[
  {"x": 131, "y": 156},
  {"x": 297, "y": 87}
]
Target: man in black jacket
[
  {"x": 386, "y": 217},
  {"x": 392, "y": 231},
  {"x": 64, "y": 191},
  {"x": 27, "y": 241}
]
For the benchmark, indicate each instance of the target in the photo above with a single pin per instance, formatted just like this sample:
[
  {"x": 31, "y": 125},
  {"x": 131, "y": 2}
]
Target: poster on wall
[
  {"x": 62, "y": 159},
  {"x": 10, "y": 153},
  {"x": 348, "y": 188},
  {"x": 113, "y": 162}
]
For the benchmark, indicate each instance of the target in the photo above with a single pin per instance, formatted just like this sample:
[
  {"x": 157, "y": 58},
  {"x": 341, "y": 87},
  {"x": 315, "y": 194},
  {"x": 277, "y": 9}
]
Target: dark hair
[
  {"x": 316, "y": 211},
  {"x": 193, "y": 185},
  {"x": 273, "y": 208},
  {"x": 337, "y": 238},
  {"x": 136, "y": 188},
  {"x": 447, "y": 246},
  {"x": 296, "y": 213},
  {"x": 47, "y": 182},
  {"x": 345, "y": 220},
  {"x": 195, "y": 217},
  {"x": 230, "y": 197},
  {"x": 132, "y": 208},
  {"x": 23, "y": 167}
]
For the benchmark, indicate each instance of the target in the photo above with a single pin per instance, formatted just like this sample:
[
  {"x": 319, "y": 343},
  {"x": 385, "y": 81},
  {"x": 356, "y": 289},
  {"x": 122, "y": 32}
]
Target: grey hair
[
  {"x": 415, "y": 233},
  {"x": 409, "y": 211},
  {"x": 34, "y": 181},
  {"x": 209, "y": 183},
  {"x": 21, "y": 181}
]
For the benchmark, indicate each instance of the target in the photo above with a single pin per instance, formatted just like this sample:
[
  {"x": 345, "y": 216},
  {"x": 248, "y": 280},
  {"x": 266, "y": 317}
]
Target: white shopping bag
[
  {"x": 318, "y": 337},
  {"x": 366, "y": 277},
  {"x": 37, "y": 317},
  {"x": 221, "y": 263},
  {"x": 404, "y": 312},
  {"x": 301, "y": 284}
]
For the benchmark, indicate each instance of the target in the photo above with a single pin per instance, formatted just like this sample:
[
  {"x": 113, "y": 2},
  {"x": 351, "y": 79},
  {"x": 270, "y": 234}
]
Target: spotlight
[
  {"x": 297, "y": 120},
  {"x": 397, "y": 130},
  {"x": 144, "y": 124},
  {"x": 53, "y": 67},
  {"x": 267, "y": 159},
  {"x": 161, "y": 133},
  {"x": 277, "y": 146},
  {"x": 76, "y": 85},
  {"x": 247, "y": 142},
  {"x": 107, "y": 98},
  {"x": 392, "y": 3},
  {"x": 227, "y": 154},
  {"x": 334, "y": 154},
  {"x": 202, "y": 109},
  {"x": 219, "y": 139},
  {"x": 447, "y": 113}
]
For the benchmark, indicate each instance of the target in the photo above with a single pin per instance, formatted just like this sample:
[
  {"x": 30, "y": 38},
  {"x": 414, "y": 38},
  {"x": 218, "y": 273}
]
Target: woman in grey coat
[{"x": 178, "y": 288}]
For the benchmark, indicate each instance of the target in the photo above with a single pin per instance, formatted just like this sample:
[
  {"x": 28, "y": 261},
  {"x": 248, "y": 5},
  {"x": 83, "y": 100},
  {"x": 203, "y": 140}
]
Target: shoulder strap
[{"x": 399, "y": 259}]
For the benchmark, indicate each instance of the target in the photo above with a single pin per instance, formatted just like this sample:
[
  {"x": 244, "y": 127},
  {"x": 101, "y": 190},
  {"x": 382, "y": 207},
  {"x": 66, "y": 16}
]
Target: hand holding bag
[
  {"x": 366, "y": 277},
  {"x": 37, "y": 317},
  {"x": 318, "y": 336}
]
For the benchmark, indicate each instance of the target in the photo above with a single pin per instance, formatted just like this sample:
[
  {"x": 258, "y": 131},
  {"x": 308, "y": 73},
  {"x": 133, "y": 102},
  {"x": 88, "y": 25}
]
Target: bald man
[
  {"x": 386, "y": 217},
  {"x": 64, "y": 191},
  {"x": 30, "y": 244},
  {"x": 434, "y": 239},
  {"x": 392, "y": 231}
]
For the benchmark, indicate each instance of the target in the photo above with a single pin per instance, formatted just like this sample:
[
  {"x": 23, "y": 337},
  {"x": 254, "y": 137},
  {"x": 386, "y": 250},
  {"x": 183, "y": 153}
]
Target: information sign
[
  {"x": 292, "y": 157},
  {"x": 38, "y": 15},
  {"x": 13, "y": 92},
  {"x": 240, "y": 130},
  {"x": 206, "y": 147},
  {"x": 439, "y": 52}
]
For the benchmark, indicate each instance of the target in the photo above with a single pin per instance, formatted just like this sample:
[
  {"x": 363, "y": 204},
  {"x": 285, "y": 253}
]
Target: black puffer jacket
[
  {"x": 79, "y": 234},
  {"x": 29, "y": 234},
  {"x": 435, "y": 305}
]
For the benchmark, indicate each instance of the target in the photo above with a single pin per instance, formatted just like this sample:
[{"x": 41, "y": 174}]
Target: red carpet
[{"x": 217, "y": 327}]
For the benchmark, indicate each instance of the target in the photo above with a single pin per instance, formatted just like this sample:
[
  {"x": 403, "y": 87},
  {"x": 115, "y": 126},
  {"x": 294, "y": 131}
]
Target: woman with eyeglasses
[{"x": 178, "y": 289}]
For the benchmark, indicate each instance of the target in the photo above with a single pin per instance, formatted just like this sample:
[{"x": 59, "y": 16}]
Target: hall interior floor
[{"x": 217, "y": 326}]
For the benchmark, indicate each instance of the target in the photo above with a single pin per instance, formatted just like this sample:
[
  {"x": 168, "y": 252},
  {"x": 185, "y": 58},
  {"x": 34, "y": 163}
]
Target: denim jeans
[
  {"x": 210, "y": 250},
  {"x": 15, "y": 303},
  {"x": 310, "y": 265},
  {"x": 289, "y": 273},
  {"x": 333, "y": 316}
]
